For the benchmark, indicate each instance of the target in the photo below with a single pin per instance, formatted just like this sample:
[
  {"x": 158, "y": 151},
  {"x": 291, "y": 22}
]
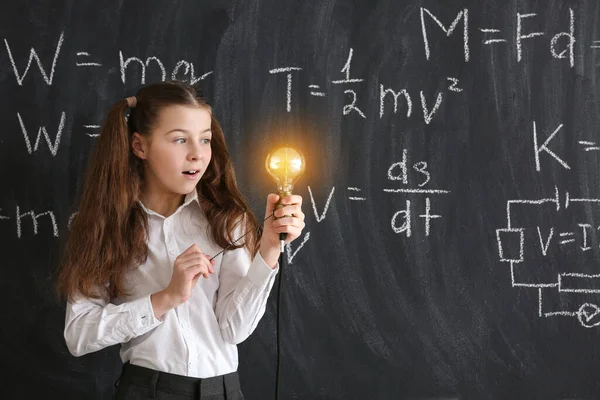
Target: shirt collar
[
  {"x": 191, "y": 196},
  {"x": 187, "y": 200}
]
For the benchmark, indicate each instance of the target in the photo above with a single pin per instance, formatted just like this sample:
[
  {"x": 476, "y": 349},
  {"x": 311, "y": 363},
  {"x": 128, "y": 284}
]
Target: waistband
[{"x": 172, "y": 383}]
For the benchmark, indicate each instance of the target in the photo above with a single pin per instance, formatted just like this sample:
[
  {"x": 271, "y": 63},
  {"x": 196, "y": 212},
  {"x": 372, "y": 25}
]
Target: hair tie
[{"x": 131, "y": 101}]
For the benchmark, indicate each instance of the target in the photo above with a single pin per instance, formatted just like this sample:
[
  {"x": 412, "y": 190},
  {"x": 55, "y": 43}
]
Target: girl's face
[{"x": 177, "y": 151}]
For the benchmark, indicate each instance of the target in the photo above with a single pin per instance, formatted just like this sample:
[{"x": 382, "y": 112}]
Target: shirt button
[{"x": 171, "y": 251}]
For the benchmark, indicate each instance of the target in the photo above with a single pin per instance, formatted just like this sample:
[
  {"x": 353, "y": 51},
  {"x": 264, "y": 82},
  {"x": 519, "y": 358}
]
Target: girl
[{"x": 159, "y": 201}]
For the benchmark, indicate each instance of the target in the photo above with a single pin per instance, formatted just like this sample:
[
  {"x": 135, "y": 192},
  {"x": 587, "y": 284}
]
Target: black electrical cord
[
  {"x": 232, "y": 243},
  {"x": 278, "y": 316}
]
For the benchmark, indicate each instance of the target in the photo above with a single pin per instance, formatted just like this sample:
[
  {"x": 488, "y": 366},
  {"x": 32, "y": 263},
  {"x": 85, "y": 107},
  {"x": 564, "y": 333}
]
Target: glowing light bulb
[{"x": 285, "y": 165}]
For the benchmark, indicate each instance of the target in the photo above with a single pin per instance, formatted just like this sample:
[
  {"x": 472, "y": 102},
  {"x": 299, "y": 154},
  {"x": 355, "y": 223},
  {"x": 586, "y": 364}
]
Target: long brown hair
[{"x": 110, "y": 230}]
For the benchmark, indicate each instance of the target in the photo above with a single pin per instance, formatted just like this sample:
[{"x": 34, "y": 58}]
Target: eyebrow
[{"x": 208, "y": 130}]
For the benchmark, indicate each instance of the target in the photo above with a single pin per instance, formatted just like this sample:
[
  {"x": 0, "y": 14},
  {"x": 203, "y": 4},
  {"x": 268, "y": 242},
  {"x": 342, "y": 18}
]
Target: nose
[{"x": 195, "y": 151}]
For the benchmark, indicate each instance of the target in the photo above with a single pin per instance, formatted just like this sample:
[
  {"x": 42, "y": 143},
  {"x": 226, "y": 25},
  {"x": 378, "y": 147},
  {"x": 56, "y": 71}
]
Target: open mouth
[{"x": 191, "y": 172}]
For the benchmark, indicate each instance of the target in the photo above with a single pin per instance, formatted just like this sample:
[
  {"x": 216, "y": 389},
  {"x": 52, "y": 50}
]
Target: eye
[
  {"x": 205, "y": 141},
  {"x": 180, "y": 140}
]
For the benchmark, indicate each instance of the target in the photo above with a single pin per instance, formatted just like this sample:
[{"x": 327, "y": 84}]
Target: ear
[{"x": 139, "y": 146}]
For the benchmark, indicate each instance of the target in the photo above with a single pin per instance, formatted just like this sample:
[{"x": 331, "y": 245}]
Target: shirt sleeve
[
  {"x": 93, "y": 324},
  {"x": 244, "y": 287}
]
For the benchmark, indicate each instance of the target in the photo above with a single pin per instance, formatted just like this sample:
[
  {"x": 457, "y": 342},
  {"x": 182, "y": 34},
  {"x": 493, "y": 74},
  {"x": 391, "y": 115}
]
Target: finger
[
  {"x": 188, "y": 261},
  {"x": 191, "y": 262},
  {"x": 272, "y": 200},
  {"x": 292, "y": 234},
  {"x": 192, "y": 256},
  {"x": 301, "y": 216},
  {"x": 292, "y": 199},
  {"x": 200, "y": 274},
  {"x": 195, "y": 272},
  {"x": 288, "y": 221},
  {"x": 205, "y": 272},
  {"x": 205, "y": 263},
  {"x": 293, "y": 209},
  {"x": 212, "y": 265},
  {"x": 280, "y": 222},
  {"x": 190, "y": 250},
  {"x": 187, "y": 251}
]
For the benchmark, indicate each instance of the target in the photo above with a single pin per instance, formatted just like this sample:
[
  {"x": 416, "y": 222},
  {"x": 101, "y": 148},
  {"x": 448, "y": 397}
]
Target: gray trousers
[{"x": 139, "y": 383}]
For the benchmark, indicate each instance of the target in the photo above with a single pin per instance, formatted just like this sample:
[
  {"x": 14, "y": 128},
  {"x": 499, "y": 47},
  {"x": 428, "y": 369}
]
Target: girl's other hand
[
  {"x": 189, "y": 266},
  {"x": 289, "y": 219}
]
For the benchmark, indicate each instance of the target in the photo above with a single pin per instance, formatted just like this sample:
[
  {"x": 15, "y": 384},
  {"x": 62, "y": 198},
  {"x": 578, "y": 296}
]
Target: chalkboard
[{"x": 451, "y": 192}]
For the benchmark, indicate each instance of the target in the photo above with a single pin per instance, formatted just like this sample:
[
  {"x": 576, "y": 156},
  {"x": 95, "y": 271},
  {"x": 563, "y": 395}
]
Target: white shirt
[{"x": 197, "y": 338}]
